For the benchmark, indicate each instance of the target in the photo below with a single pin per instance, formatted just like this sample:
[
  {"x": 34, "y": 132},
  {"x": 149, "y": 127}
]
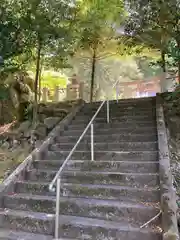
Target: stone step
[
  {"x": 114, "y": 146},
  {"x": 127, "y": 166},
  {"x": 150, "y": 137},
  {"x": 32, "y": 222},
  {"x": 100, "y": 155},
  {"x": 127, "y": 100},
  {"x": 146, "y": 104},
  {"x": 88, "y": 228},
  {"x": 98, "y": 177},
  {"x": 121, "y": 107},
  {"x": 140, "y": 104},
  {"x": 86, "y": 119},
  {"x": 7, "y": 234},
  {"x": 110, "y": 126},
  {"x": 71, "y": 226},
  {"x": 134, "y": 213},
  {"x": 109, "y": 131},
  {"x": 115, "y": 113},
  {"x": 114, "y": 192}
]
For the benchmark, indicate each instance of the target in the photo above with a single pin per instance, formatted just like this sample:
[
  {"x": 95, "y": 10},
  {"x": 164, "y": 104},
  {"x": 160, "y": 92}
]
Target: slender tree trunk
[
  {"x": 178, "y": 44},
  {"x": 163, "y": 66},
  {"x": 178, "y": 71},
  {"x": 40, "y": 74},
  {"x": 93, "y": 74},
  {"x": 1, "y": 111},
  {"x": 163, "y": 59},
  {"x": 36, "y": 83}
]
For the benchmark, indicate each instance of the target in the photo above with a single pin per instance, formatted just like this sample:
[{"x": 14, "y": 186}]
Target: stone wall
[
  {"x": 172, "y": 117},
  {"x": 20, "y": 139}
]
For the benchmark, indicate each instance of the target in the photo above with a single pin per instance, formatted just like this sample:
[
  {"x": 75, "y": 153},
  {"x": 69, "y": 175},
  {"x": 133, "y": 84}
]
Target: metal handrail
[
  {"x": 57, "y": 178},
  {"x": 74, "y": 148},
  {"x": 80, "y": 138}
]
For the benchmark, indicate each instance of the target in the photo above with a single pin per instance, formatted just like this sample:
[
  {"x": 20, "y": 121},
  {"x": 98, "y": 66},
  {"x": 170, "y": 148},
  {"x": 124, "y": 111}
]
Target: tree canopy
[
  {"x": 61, "y": 34},
  {"x": 156, "y": 24}
]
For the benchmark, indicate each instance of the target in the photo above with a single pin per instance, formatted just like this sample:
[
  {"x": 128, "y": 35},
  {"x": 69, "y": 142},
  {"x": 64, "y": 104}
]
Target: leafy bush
[{"x": 51, "y": 81}]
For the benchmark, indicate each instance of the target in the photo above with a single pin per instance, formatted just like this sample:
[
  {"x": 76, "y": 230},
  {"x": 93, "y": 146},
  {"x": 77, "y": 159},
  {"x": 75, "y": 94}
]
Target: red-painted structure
[{"x": 140, "y": 88}]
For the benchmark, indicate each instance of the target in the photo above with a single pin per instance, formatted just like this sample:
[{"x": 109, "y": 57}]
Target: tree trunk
[
  {"x": 163, "y": 66},
  {"x": 40, "y": 74},
  {"x": 178, "y": 71},
  {"x": 93, "y": 74},
  {"x": 36, "y": 83},
  {"x": 1, "y": 112},
  {"x": 163, "y": 61},
  {"x": 178, "y": 44}
]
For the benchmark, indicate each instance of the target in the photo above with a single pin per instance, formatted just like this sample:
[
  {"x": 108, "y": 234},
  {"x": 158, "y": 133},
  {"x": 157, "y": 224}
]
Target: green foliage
[
  {"x": 156, "y": 24},
  {"x": 50, "y": 81},
  {"x": 4, "y": 92},
  {"x": 173, "y": 50},
  {"x": 96, "y": 31},
  {"x": 96, "y": 25},
  {"x": 174, "y": 95},
  {"x": 24, "y": 23},
  {"x": 111, "y": 69},
  {"x": 149, "y": 66}
]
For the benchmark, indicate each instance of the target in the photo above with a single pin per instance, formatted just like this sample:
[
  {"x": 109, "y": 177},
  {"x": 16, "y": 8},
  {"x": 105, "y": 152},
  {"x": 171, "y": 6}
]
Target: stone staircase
[{"x": 108, "y": 199}]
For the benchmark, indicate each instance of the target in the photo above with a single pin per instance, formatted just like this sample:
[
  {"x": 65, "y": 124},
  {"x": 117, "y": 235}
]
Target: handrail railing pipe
[
  {"x": 92, "y": 142},
  {"x": 51, "y": 186},
  {"x": 58, "y": 193},
  {"x": 57, "y": 178},
  {"x": 108, "y": 112},
  {"x": 117, "y": 93}
]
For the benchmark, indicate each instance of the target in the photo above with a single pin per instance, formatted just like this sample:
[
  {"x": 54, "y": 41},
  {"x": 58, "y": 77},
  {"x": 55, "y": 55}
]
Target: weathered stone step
[
  {"x": 114, "y": 192},
  {"x": 124, "y": 212},
  {"x": 88, "y": 228},
  {"x": 70, "y": 226},
  {"x": 122, "y": 179},
  {"x": 120, "y": 193},
  {"x": 140, "y": 106},
  {"x": 150, "y": 137},
  {"x": 124, "y": 125},
  {"x": 101, "y": 155},
  {"x": 7, "y": 234},
  {"x": 109, "y": 131},
  {"x": 80, "y": 120},
  {"x": 127, "y": 166},
  {"x": 127, "y": 100},
  {"x": 32, "y": 222},
  {"x": 35, "y": 203},
  {"x": 123, "y": 146},
  {"x": 144, "y": 104},
  {"x": 114, "y": 113}
]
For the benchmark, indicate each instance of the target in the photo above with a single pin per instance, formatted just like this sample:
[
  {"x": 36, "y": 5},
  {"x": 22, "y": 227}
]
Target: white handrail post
[
  {"x": 58, "y": 192},
  {"x": 92, "y": 142},
  {"x": 107, "y": 111},
  {"x": 117, "y": 93}
]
